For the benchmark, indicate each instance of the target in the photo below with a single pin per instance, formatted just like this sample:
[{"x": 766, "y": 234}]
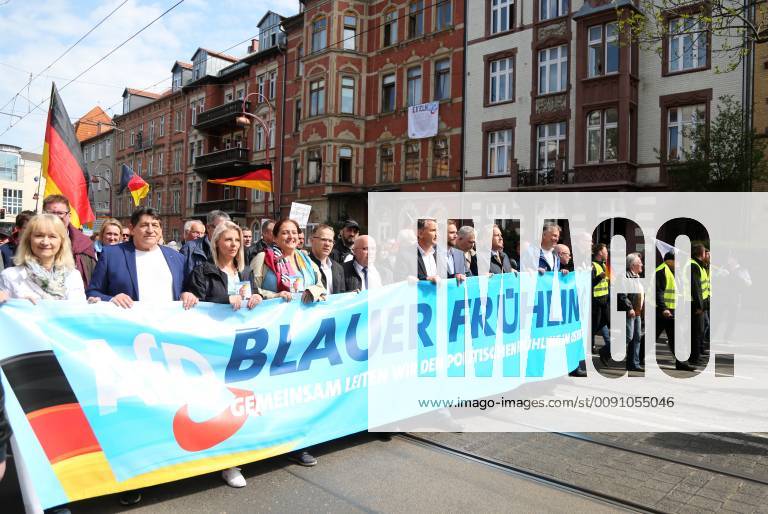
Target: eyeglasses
[{"x": 59, "y": 214}]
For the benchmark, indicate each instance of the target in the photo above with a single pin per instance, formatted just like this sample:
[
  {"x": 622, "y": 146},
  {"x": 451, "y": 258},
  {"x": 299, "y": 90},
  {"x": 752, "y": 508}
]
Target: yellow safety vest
[
  {"x": 601, "y": 288},
  {"x": 703, "y": 279},
  {"x": 670, "y": 290}
]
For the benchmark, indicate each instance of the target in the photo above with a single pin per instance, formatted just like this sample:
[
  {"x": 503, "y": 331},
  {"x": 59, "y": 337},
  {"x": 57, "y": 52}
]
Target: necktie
[{"x": 365, "y": 276}]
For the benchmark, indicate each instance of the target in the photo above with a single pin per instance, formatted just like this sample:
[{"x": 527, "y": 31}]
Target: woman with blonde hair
[
  {"x": 45, "y": 268},
  {"x": 111, "y": 233}
]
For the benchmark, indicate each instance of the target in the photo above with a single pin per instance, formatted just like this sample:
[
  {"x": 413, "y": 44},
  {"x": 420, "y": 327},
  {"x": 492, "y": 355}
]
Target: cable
[
  {"x": 145, "y": 27},
  {"x": 68, "y": 50}
]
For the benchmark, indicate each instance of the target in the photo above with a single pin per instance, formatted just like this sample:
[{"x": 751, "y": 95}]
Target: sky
[{"x": 34, "y": 33}]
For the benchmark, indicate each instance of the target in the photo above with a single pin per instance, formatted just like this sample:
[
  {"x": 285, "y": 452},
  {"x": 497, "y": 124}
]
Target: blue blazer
[{"x": 115, "y": 272}]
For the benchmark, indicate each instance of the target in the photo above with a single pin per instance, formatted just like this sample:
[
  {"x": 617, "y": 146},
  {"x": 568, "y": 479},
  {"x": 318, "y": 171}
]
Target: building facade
[
  {"x": 567, "y": 104},
  {"x": 96, "y": 136},
  {"x": 354, "y": 69},
  {"x": 20, "y": 183},
  {"x": 150, "y": 141}
]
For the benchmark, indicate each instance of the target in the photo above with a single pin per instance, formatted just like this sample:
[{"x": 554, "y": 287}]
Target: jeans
[{"x": 634, "y": 334}]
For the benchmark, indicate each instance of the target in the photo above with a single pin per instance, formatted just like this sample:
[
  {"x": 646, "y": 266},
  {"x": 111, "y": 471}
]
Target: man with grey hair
[
  {"x": 199, "y": 250},
  {"x": 633, "y": 303},
  {"x": 193, "y": 229},
  {"x": 465, "y": 241}
]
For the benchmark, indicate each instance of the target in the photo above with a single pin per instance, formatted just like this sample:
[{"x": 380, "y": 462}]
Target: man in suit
[
  {"x": 198, "y": 250},
  {"x": 454, "y": 258},
  {"x": 331, "y": 272},
  {"x": 360, "y": 273},
  {"x": 140, "y": 269},
  {"x": 426, "y": 237},
  {"x": 466, "y": 243},
  {"x": 500, "y": 261}
]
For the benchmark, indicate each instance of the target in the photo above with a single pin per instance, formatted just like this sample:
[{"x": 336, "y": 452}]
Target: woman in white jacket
[{"x": 45, "y": 268}]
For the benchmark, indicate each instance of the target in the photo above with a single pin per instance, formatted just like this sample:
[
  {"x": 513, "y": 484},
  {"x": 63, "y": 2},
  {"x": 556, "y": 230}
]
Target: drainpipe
[
  {"x": 747, "y": 91},
  {"x": 279, "y": 188},
  {"x": 463, "y": 99}
]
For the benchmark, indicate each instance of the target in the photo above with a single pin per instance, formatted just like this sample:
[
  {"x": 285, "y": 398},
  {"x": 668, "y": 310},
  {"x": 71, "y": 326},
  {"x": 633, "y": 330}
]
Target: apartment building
[
  {"x": 20, "y": 183},
  {"x": 96, "y": 135},
  {"x": 354, "y": 68},
  {"x": 559, "y": 102}
]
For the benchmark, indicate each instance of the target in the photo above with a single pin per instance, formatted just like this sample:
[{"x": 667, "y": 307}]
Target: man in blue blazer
[{"x": 140, "y": 269}]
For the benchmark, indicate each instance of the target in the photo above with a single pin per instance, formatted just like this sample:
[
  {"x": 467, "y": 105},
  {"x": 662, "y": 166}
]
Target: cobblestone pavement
[{"x": 648, "y": 481}]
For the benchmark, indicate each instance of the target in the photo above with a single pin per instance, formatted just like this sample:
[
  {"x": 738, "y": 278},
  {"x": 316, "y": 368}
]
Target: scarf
[
  {"x": 283, "y": 268},
  {"x": 50, "y": 282}
]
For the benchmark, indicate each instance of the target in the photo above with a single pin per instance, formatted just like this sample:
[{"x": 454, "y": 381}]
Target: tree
[
  {"x": 722, "y": 157},
  {"x": 732, "y": 26}
]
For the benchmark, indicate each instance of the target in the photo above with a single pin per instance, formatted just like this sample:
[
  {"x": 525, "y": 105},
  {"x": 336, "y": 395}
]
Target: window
[
  {"x": 319, "y": 40},
  {"x": 300, "y": 63},
  {"x": 499, "y": 152},
  {"x": 682, "y": 125},
  {"x": 387, "y": 164},
  {"x": 162, "y": 125},
  {"x": 256, "y": 195},
  {"x": 443, "y": 15},
  {"x": 297, "y": 116},
  {"x": 350, "y": 33},
  {"x": 688, "y": 45},
  {"x": 259, "y": 143},
  {"x": 272, "y": 134},
  {"x": 412, "y": 160},
  {"x": 192, "y": 154},
  {"x": 159, "y": 204},
  {"x": 414, "y": 86},
  {"x": 553, "y": 69},
  {"x": 296, "y": 174},
  {"x": 107, "y": 148},
  {"x": 602, "y": 135},
  {"x": 272, "y": 83},
  {"x": 150, "y": 162},
  {"x": 314, "y": 166},
  {"x": 550, "y": 141},
  {"x": 502, "y": 15},
  {"x": 260, "y": 88},
  {"x": 549, "y": 9},
  {"x": 347, "y": 95},
  {"x": 442, "y": 79},
  {"x": 440, "y": 157},
  {"x": 388, "y": 93},
  {"x": 317, "y": 97},
  {"x": 603, "y": 53},
  {"x": 416, "y": 19},
  {"x": 139, "y": 166},
  {"x": 9, "y": 166},
  {"x": 501, "y": 74},
  {"x": 390, "y": 28},
  {"x": 177, "y": 159},
  {"x": 228, "y": 96},
  {"x": 132, "y": 138},
  {"x": 151, "y": 131},
  {"x": 177, "y": 121},
  {"x": 345, "y": 164},
  {"x": 12, "y": 201},
  {"x": 160, "y": 163},
  {"x": 98, "y": 150}
]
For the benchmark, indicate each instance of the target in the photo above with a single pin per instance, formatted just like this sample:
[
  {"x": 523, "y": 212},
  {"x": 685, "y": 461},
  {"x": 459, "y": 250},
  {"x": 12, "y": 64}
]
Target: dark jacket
[
  {"x": 8, "y": 250},
  {"x": 626, "y": 301},
  {"x": 209, "y": 283},
  {"x": 5, "y": 427},
  {"x": 340, "y": 251},
  {"x": 501, "y": 266},
  {"x": 697, "y": 299},
  {"x": 195, "y": 253},
  {"x": 421, "y": 269},
  {"x": 83, "y": 252},
  {"x": 115, "y": 272},
  {"x": 253, "y": 250},
  {"x": 337, "y": 272}
]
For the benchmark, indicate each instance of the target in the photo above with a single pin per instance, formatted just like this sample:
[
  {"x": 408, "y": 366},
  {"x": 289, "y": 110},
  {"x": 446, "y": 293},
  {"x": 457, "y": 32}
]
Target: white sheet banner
[{"x": 423, "y": 120}]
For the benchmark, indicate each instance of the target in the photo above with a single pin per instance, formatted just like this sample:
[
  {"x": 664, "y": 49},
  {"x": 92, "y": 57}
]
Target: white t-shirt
[
  {"x": 549, "y": 257},
  {"x": 430, "y": 266},
  {"x": 155, "y": 279}
]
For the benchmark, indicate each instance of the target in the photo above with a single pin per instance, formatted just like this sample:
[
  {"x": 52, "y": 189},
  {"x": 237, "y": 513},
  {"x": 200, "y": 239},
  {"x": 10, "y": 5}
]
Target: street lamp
[
  {"x": 95, "y": 179},
  {"x": 244, "y": 120}
]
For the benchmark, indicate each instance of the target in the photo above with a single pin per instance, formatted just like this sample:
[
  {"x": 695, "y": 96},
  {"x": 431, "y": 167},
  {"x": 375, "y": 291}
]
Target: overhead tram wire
[
  {"x": 38, "y": 74},
  {"x": 145, "y": 27}
]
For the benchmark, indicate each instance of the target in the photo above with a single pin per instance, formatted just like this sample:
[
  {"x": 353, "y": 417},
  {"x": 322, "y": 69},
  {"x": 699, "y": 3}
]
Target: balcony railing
[
  {"x": 226, "y": 157},
  {"x": 142, "y": 143},
  {"x": 232, "y": 206},
  {"x": 223, "y": 114},
  {"x": 538, "y": 177}
]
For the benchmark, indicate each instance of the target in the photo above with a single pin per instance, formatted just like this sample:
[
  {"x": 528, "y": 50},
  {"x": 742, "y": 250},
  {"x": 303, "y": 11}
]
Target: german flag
[
  {"x": 260, "y": 178},
  {"x": 63, "y": 166},
  {"x": 135, "y": 184}
]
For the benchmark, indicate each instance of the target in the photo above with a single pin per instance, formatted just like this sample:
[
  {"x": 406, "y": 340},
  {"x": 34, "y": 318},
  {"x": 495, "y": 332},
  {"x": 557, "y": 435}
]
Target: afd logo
[{"x": 169, "y": 374}]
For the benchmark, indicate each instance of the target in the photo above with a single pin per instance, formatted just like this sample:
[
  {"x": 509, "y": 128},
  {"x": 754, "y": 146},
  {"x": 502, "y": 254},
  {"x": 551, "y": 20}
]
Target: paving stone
[
  {"x": 738, "y": 506},
  {"x": 705, "y": 503}
]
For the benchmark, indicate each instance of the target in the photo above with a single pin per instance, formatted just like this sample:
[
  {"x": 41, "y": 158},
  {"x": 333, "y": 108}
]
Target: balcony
[
  {"x": 232, "y": 206},
  {"x": 223, "y": 115},
  {"x": 142, "y": 143},
  {"x": 534, "y": 178},
  {"x": 223, "y": 163}
]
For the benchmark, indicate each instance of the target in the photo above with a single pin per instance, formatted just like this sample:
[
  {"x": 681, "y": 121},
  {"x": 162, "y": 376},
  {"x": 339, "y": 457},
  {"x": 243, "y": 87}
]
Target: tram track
[
  {"x": 717, "y": 470},
  {"x": 539, "y": 478}
]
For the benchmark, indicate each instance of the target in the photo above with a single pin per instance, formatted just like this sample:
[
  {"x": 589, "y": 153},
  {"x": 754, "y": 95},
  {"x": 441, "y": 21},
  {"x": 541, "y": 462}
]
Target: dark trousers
[{"x": 601, "y": 319}]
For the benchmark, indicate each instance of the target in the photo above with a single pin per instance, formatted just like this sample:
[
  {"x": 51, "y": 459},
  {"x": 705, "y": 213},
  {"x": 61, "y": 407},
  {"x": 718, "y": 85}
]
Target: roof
[
  {"x": 139, "y": 92},
  {"x": 216, "y": 54},
  {"x": 182, "y": 64},
  {"x": 93, "y": 123},
  {"x": 267, "y": 15}
]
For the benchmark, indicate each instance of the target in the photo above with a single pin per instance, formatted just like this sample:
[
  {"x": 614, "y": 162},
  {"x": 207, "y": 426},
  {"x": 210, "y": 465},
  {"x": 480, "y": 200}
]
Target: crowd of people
[{"x": 47, "y": 258}]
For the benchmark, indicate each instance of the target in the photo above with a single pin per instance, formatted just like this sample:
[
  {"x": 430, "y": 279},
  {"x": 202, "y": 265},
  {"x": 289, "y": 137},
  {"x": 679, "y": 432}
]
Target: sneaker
[
  {"x": 130, "y": 498},
  {"x": 233, "y": 477},
  {"x": 303, "y": 458}
]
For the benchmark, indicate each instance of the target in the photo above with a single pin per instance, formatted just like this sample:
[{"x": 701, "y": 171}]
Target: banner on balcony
[
  {"x": 259, "y": 178},
  {"x": 155, "y": 393},
  {"x": 423, "y": 120}
]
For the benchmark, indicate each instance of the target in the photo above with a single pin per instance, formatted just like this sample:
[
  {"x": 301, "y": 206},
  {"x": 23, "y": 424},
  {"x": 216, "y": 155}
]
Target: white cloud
[{"x": 33, "y": 34}]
